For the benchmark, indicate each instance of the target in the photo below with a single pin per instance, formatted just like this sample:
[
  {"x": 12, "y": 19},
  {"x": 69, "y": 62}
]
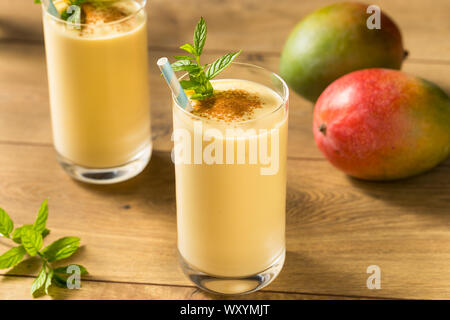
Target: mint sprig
[
  {"x": 200, "y": 75},
  {"x": 30, "y": 239}
]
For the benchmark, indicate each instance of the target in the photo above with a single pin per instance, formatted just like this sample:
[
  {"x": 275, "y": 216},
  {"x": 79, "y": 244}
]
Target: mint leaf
[
  {"x": 12, "y": 257},
  {"x": 220, "y": 64},
  {"x": 189, "y": 48},
  {"x": 6, "y": 224},
  {"x": 63, "y": 270},
  {"x": 32, "y": 241},
  {"x": 39, "y": 281},
  {"x": 61, "y": 249},
  {"x": 199, "y": 96},
  {"x": 80, "y": 2},
  {"x": 184, "y": 57},
  {"x": 200, "y": 36},
  {"x": 61, "y": 274},
  {"x": 17, "y": 234},
  {"x": 59, "y": 280},
  {"x": 185, "y": 65},
  {"x": 45, "y": 233},
  {"x": 48, "y": 281},
  {"x": 41, "y": 220},
  {"x": 189, "y": 84}
]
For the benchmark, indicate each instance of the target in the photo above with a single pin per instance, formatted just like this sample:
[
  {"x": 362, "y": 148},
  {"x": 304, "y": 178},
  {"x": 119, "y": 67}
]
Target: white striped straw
[
  {"x": 174, "y": 84},
  {"x": 52, "y": 9}
]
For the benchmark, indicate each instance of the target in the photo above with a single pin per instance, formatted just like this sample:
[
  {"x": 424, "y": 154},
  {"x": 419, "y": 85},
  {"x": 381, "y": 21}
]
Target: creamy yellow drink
[
  {"x": 231, "y": 189},
  {"x": 98, "y": 79}
]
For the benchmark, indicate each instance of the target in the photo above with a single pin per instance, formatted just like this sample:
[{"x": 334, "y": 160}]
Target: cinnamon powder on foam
[
  {"x": 228, "y": 105},
  {"x": 94, "y": 15}
]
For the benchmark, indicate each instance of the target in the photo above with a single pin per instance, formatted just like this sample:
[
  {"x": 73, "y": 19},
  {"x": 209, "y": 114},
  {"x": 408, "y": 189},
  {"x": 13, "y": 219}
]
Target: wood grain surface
[
  {"x": 336, "y": 226},
  {"x": 259, "y": 26}
]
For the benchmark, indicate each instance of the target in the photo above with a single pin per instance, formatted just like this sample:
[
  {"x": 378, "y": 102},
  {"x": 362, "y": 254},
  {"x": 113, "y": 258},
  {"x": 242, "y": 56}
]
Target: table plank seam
[
  {"x": 194, "y": 287},
  {"x": 221, "y": 51},
  {"x": 49, "y": 145},
  {"x": 26, "y": 143}
]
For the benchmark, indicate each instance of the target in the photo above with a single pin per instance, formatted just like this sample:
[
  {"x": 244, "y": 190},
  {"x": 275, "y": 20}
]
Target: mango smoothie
[
  {"x": 231, "y": 200},
  {"x": 98, "y": 80}
]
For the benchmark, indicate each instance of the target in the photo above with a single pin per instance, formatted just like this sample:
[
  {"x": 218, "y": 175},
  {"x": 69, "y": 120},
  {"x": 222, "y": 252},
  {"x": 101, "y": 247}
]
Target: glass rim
[
  {"x": 283, "y": 103},
  {"x": 141, "y": 3}
]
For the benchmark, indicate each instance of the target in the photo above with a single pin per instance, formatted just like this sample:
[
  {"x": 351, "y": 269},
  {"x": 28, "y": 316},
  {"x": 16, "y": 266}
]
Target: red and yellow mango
[{"x": 381, "y": 124}]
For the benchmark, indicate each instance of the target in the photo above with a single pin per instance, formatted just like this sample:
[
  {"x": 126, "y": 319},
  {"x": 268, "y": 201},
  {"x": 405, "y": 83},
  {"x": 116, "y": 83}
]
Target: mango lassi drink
[
  {"x": 98, "y": 80},
  {"x": 230, "y": 165}
]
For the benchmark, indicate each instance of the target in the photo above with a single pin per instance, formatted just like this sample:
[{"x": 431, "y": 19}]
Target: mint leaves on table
[
  {"x": 199, "y": 79},
  {"x": 29, "y": 238}
]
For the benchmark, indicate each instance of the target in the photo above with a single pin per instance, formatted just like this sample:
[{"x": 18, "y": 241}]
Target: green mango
[{"x": 334, "y": 41}]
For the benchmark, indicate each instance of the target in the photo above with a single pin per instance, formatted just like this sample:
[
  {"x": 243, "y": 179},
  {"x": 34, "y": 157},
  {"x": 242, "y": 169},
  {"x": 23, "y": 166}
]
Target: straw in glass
[
  {"x": 174, "y": 84},
  {"x": 52, "y": 9}
]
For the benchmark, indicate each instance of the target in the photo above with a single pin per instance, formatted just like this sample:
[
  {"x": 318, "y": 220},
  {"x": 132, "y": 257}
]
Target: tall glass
[
  {"x": 98, "y": 83},
  {"x": 231, "y": 212}
]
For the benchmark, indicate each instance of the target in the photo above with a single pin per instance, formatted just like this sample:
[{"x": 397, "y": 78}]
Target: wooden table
[{"x": 336, "y": 226}]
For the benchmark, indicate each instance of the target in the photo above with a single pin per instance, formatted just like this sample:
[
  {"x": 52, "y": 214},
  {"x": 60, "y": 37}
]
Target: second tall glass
[{"x": 98, "y": 81}]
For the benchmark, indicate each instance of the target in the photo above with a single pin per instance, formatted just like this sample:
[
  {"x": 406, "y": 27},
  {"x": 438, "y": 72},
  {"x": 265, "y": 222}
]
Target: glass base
[
  {"x": 108, "y": 175},
  {"x": 232, "y": 285}
]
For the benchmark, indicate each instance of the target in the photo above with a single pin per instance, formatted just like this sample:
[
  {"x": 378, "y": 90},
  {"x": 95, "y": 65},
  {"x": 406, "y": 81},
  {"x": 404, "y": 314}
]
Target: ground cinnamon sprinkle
[
  {"x": 228, "y": 105},
  {"x": 94, "y": 14}
]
